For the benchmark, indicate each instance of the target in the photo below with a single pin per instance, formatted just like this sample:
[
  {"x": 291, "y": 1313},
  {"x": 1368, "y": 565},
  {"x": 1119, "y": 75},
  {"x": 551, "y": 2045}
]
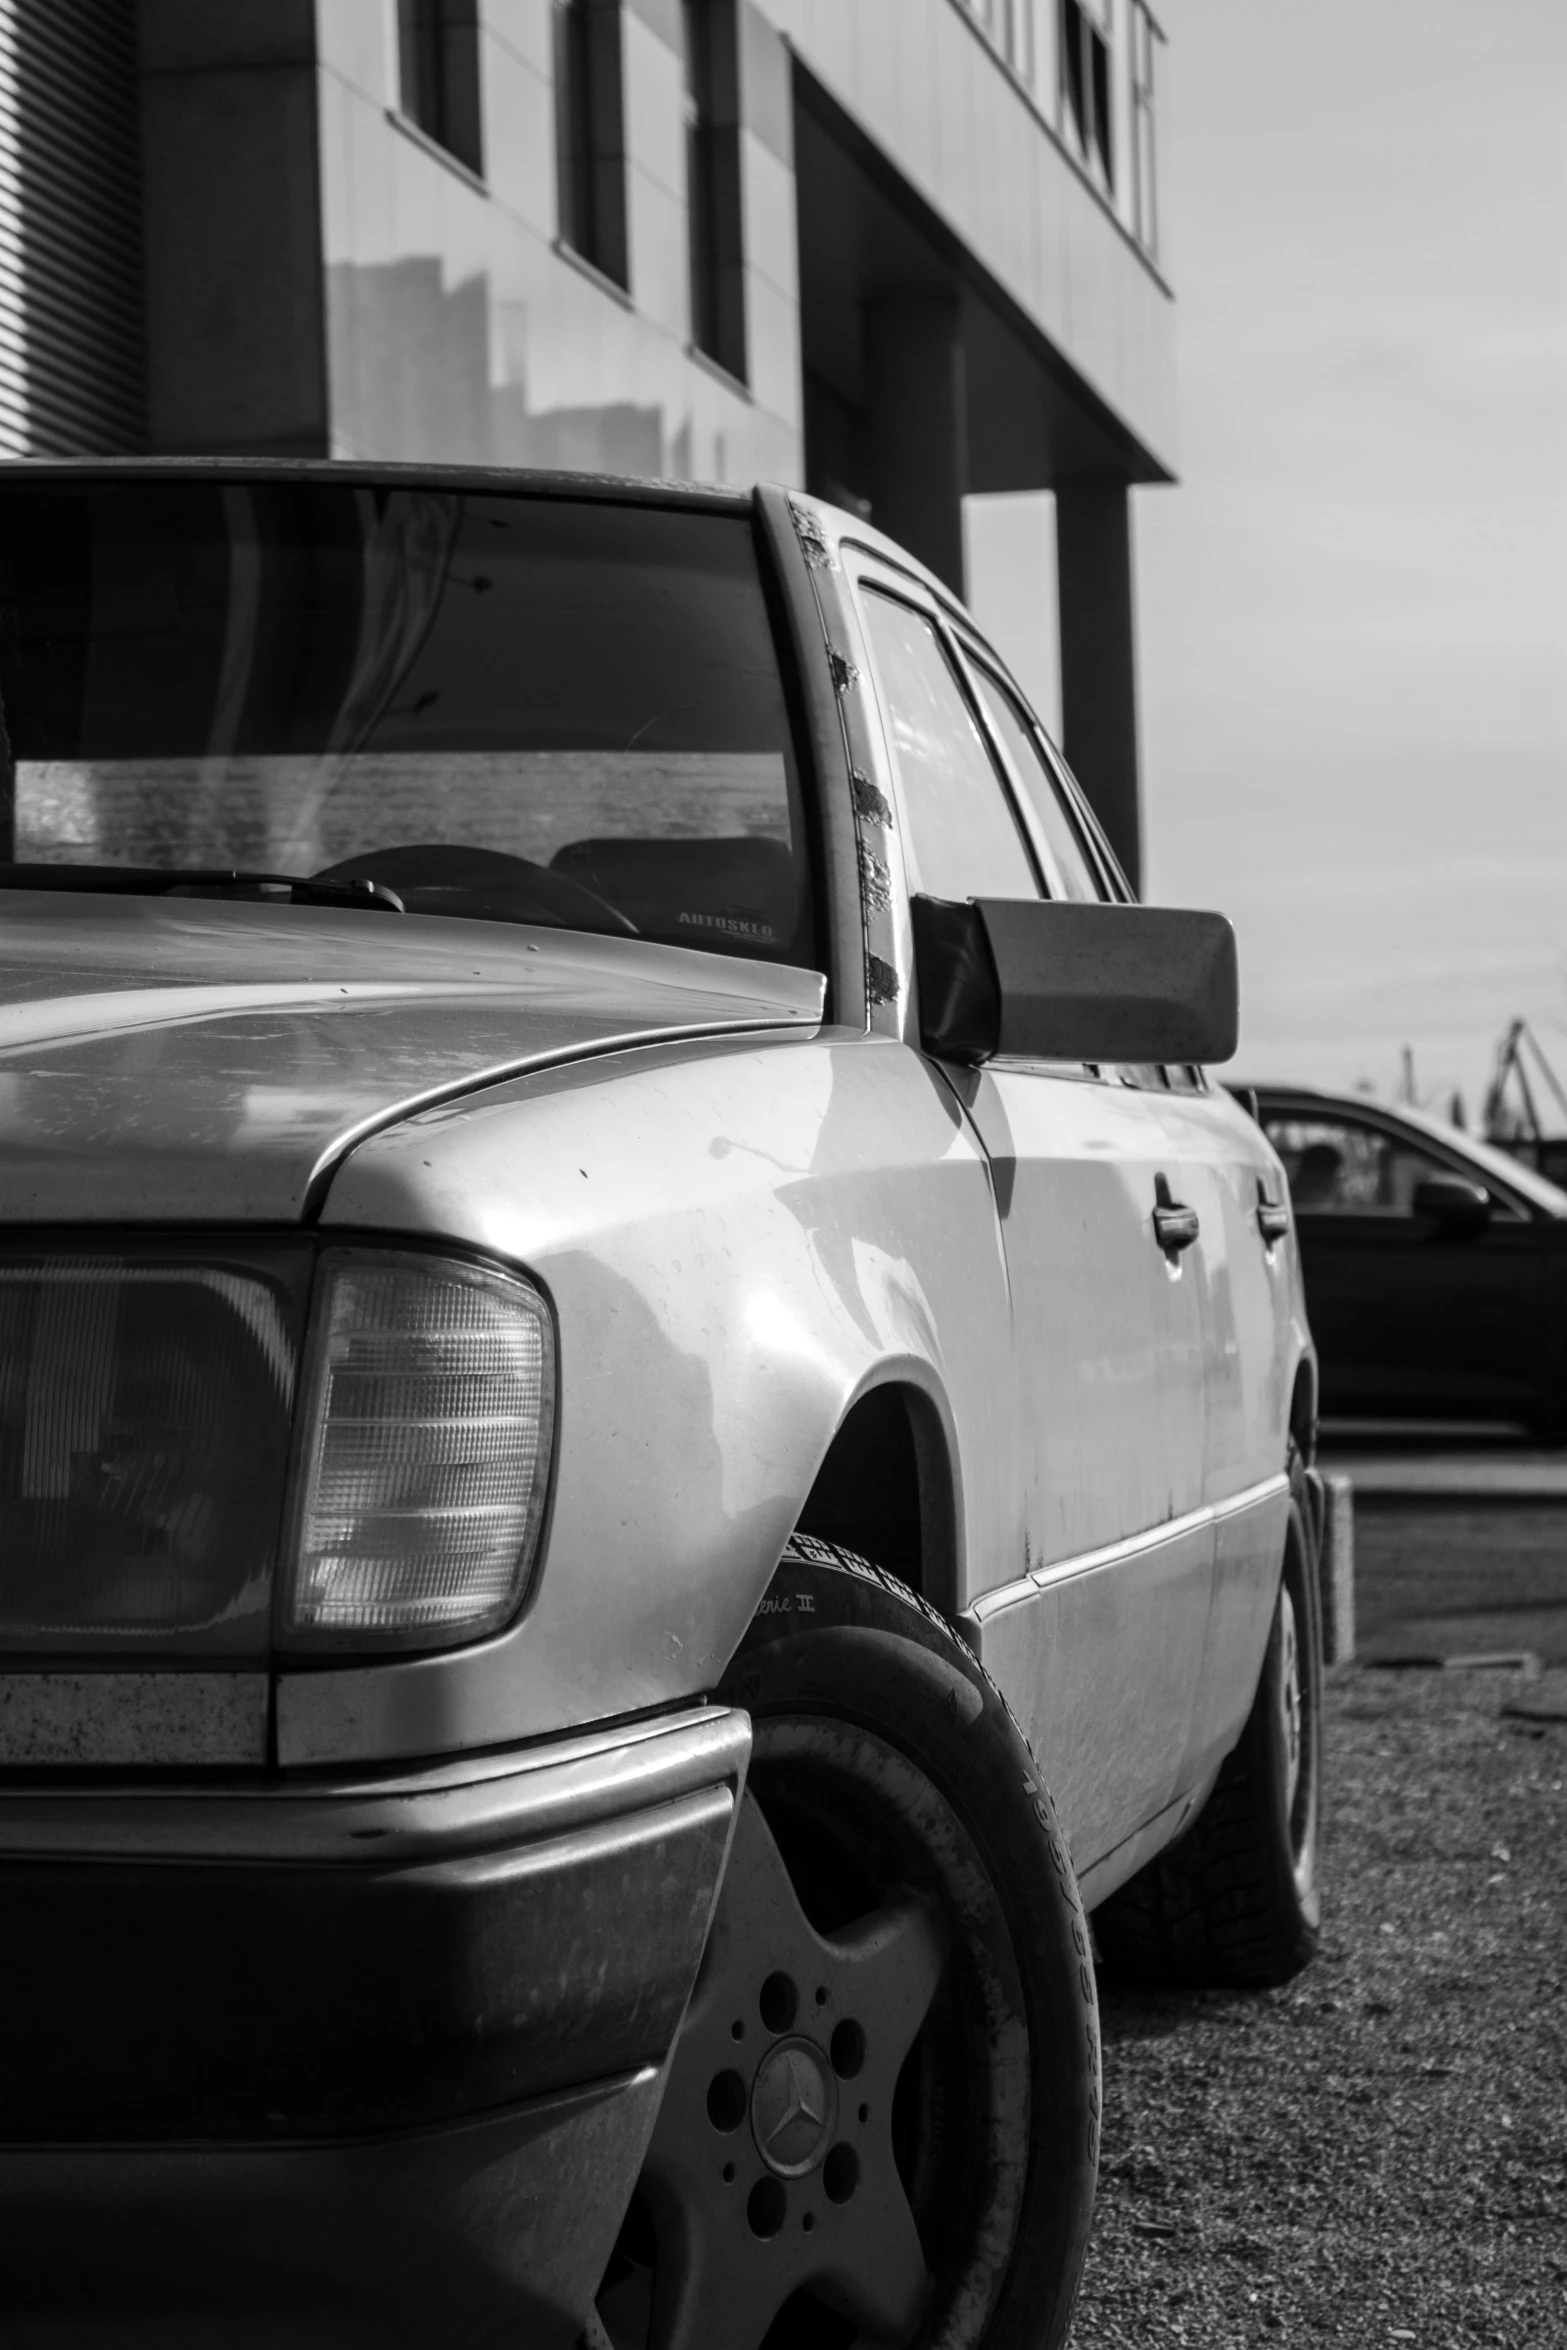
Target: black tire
[
  {"x": 891, "y": 1783},
  {"x": 1237, "y": 1901}
]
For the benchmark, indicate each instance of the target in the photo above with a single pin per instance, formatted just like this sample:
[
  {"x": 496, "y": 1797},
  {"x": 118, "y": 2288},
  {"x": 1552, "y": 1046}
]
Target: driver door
[{"x": 1096, "y": 1625}]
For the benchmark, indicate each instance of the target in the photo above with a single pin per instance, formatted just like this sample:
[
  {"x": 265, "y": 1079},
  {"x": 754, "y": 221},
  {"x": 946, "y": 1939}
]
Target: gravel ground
[{"x": 1377, "y": 2153}]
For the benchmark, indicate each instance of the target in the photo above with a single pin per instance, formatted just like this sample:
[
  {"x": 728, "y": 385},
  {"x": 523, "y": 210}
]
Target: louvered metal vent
[{"x": 71, "y": 363}]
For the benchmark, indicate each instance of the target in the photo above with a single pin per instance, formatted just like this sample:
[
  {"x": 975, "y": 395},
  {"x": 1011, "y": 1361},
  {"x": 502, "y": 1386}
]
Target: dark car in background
[{"x": 1435, "y": 1267}]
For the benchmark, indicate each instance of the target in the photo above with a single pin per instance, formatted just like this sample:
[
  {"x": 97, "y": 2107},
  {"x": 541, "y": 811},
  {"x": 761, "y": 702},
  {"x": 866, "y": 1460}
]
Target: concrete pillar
[
  {"x": 1099, "y": 657},
  {"x": 916, "y": 428}
]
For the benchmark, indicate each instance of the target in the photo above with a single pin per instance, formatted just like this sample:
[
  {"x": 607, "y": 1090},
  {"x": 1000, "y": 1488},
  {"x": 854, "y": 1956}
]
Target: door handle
[
  {"x": 1174, "y": 1227},
  {"x": 1273, "y": 1218}
]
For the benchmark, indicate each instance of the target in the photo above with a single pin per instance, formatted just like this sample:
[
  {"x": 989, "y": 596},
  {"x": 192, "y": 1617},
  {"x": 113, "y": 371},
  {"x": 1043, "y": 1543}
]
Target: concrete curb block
[
  {"x": 1337, "y": 1571},
  {"x": 1545, "y": 1700}
]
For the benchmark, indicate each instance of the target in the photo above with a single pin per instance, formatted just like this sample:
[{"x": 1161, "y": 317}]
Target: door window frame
[
  {"x": 965, "y": 645},
  {"x": 1114, "y": 888},
  {"x": 976, "y": 654},
  {"x": 870, "y": 572},
  {"x": 912, "y": 600},
  {"x": 874, "y": 570}
]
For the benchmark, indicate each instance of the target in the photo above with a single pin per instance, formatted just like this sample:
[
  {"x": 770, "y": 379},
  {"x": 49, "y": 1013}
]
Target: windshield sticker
[{"x": 733, "y": 925}]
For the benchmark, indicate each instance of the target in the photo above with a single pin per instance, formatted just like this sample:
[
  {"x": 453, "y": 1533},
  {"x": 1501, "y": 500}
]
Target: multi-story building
[{"x": 897, "y": 251}]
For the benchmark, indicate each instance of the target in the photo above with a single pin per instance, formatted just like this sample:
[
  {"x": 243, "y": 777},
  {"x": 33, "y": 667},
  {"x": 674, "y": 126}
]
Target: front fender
[{"x": 738, "y": 1241}]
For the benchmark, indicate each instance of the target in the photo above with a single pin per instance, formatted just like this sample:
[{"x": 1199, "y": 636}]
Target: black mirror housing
[
  {"x": 1056, "y": 982},
  {"x": 1453, "y": 1201}
]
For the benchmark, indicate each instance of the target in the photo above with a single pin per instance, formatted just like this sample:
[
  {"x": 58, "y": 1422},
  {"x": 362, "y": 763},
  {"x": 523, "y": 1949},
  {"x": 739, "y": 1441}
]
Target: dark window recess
[
  {"x": 1104, "y": 137},
  {"x": 712, "y": 114},
  {"x": 837, "y": 463},
  {"x": 1145, "y": 205},
  {"x": 590, "y": 145},
  {"x": 1085, "y": 87},
  {"x": 438, "y": 73}
]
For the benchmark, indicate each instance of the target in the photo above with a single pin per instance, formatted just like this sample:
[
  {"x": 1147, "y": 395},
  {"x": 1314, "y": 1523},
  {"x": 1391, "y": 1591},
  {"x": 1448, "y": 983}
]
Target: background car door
[
  {"x": 1101, "y": 1649},
  {"x": 1409, "y": 1315}
]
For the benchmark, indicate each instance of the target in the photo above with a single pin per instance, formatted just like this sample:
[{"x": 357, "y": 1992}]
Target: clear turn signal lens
[{"x": 429, "y": 1415}]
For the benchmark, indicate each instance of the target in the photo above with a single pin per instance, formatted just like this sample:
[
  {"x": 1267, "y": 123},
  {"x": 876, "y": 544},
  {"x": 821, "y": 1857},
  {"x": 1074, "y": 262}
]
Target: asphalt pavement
[{"x": 1460, "y": 1543}]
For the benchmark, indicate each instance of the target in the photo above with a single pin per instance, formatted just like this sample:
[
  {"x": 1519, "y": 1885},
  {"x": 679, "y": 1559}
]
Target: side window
[
  {"x": 590, "y": 134},
  {"x": 1337, "y": 1167},
  {"x": 438, "y": 74},
  {"x": 963, "y": 840},
  {"x": 1072, "y": 872}
]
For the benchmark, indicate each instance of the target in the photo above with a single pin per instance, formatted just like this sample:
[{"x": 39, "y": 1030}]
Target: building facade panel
[
  {"x": 766, "y": 83},
  {"x": 522, "y": 26},
  {"x": 355, "y": 42},
  {"x": 656, "y": 177},
  {"x": 769, "y": 201},
  {"x": 460, "y": 328},
  {"x": 899, "y": 251},
  {"x": 655, "y": 96},
  {"x": 982, "y": 109},
  {"x": 774, "y": 327},
  {"x": 519, "y": 134}
]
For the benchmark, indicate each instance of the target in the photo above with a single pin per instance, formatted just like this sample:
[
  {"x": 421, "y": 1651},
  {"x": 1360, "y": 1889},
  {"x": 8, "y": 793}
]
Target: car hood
[{"x": 164, "y": 1060}]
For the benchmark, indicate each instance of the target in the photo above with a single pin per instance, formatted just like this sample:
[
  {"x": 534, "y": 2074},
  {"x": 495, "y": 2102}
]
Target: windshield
[{"x": 517, "y": 708}]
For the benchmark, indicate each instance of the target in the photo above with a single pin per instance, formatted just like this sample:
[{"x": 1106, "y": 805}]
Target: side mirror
[
  {"x": 1057, "y": 982},
  {"x": 1455, "y": 1203}
]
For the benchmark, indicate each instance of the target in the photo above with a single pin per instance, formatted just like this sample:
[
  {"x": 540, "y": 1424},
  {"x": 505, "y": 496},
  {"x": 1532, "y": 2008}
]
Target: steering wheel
[{"x": 436, "y": 877}]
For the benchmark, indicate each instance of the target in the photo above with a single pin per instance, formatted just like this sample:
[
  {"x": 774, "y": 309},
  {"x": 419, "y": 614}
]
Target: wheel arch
[{"x": 889, "y": 1485}]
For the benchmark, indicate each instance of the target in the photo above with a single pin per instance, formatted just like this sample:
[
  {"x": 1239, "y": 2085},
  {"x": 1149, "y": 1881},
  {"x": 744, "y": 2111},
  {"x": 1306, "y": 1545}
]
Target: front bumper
[{"x": 361, "y": 2054}]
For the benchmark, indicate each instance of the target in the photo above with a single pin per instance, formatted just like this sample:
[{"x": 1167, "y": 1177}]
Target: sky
[{"x": 1353, "y": 609}]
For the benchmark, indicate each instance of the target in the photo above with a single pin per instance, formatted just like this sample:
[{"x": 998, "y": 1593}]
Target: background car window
[
  {"x": 962, "y": 837},
  {"x": 1071, "y": 872},
  {"x": 521, "y": 709},
  {"x": 1337, "y": 1167}
]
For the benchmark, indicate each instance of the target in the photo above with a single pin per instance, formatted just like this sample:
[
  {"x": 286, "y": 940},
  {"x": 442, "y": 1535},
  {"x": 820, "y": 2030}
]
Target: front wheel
[{"x": 881, "y": 2119}]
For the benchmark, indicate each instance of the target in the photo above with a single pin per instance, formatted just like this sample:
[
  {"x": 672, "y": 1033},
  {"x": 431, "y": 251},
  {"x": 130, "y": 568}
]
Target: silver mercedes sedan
[{"x": 653, "y": 1426}]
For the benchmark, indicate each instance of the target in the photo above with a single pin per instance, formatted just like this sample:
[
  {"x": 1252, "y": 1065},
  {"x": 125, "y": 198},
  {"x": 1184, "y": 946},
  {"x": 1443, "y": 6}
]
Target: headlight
[
  {"x": 145, "y": 1404},
  {"x": 427, "y": 1417}
]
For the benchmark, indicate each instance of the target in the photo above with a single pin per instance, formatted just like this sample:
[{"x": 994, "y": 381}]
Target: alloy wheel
[
  {"x": 1290, "y": 1698},
  {"x": 842, "y": 2144}
]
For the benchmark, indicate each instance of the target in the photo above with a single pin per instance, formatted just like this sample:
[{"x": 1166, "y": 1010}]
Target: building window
[
  {"x": 1087, "y": 118},
  {"x": 438, "y": 74},
  {"x": 1145, "y": 196},
  {"x": 590, "y": 145},
  {"x": 1009, "y": 26},
  {"x": 712, "y": 113}
]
